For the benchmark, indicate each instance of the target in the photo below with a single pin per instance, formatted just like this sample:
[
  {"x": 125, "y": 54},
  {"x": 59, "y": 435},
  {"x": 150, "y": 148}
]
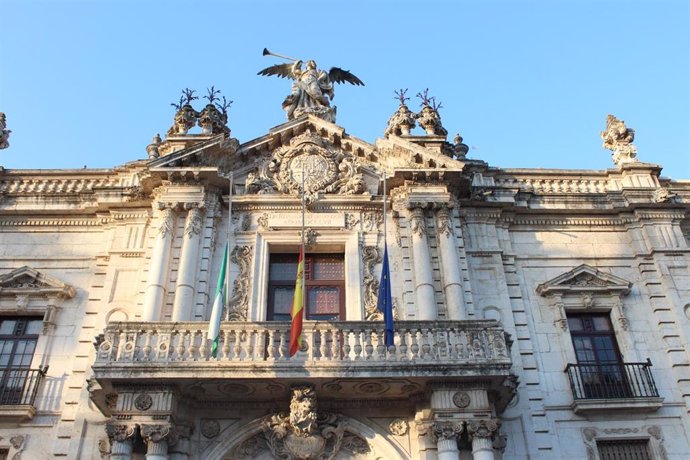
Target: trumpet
[{"x": 269, "y": 53}]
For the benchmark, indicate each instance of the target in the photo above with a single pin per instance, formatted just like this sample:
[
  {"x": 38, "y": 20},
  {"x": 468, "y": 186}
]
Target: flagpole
[
  {"x": 385, "y": 233},
  {"x": 304, "y": 259},
  {"x": 227, "y": 242}
]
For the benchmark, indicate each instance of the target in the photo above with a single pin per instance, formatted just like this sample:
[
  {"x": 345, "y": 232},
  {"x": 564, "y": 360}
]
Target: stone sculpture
[
  {"x": 4, "y": 133},
  {"x": 619, "y": 139},
  {"x": 312, "y": 89}
]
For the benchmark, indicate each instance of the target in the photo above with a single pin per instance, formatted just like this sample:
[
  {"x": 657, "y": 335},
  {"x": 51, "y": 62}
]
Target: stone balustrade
[
  {"x": 246, "y": 349},
  {"x": 550, "y": 185}
]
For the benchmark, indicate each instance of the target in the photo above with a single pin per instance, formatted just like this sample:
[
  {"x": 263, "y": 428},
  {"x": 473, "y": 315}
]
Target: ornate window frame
[{"x": 652, "y": 433}]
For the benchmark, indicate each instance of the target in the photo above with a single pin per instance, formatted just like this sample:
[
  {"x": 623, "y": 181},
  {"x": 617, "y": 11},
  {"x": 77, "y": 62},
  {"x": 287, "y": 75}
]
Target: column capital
[
  {"x": 159, "y": 432},
  {"x": 121, "y": 432},
  {"x": 447, "y": 430},
  {"x": 194, "y": 222},
  {"x": 444, "y": 225},
  {"x": 483, "y": 428},
  {"x": 417, "y": 221}
]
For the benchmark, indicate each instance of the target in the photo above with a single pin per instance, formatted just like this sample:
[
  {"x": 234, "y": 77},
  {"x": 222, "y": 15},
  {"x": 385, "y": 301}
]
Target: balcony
[
  {"x": 342, "y": 356},
  {"x": 18, "y": 388},
  {"x": 605, "y": 387}
]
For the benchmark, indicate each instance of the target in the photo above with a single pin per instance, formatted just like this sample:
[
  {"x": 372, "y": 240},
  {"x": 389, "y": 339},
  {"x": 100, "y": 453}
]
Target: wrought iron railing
[
  {"x": 612, "y": 380},
  {"x": 19, "y": 385}
]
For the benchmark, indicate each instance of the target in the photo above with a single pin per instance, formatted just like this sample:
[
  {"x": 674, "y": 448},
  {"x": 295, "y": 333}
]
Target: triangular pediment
[
  {"x": 583, "y": 279},
  {"x": 28, "y": 281}
]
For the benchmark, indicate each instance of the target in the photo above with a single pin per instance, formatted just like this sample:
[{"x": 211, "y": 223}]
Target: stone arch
[{"x": 381, "y": 447}]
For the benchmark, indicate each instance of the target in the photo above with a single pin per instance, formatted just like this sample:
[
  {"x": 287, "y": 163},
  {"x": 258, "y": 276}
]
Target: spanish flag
[{"x": 297, "y": 306}]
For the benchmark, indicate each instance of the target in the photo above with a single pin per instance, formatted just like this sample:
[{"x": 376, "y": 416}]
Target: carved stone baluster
[
  {"x": 426, "y": 348},
  {"x": 146, "y": 350},
  {"x": 368, "y": 347},
  {"x": 380, "y": 346},
  {"x": 402, "y": 347},
  {"x": 261, "y": 340},
  {"x": 237, "y": 346},
  {"x": 336, "y": 346},
  {"x": 251, "y": 339},
  {"x": 323, "y": 349},
  {"x": 284, "y": 343},
  {"x": 348, "y": 341},
  {"x": 203, "y": 348},
  {"x": 358, "y": 344},
  {"x": 226, "y": 345},
  {"x": 272, "y": 344},
  {"x": 192, "y": 344},
  {"x": 414, "y": 347}
]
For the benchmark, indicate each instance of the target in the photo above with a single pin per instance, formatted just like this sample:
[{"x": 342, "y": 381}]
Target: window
[
  {"x": 600, "y": 364},
  {"x": 324, "y": 277},
  {"x": 624, "y": 449},
  {"x": 18, "y": 337}
]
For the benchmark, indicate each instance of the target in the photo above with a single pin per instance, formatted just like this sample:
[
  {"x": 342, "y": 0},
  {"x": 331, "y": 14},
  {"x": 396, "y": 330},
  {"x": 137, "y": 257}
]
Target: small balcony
[
  {"x": 18, "y": 388},
  {"x": 342, "y": 356},
  {"x": 605, "y": 387}
]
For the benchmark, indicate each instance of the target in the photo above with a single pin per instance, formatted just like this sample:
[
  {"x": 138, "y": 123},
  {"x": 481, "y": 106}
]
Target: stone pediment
[
  {"x": 585, "y": 279},
  {"x": 28, "y": 281},
  {"x": 307, "y": 134}
]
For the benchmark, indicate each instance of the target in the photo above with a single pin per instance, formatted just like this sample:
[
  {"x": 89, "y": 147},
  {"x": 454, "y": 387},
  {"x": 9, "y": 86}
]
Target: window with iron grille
[
  {"x": 624, "y": 449},
  {"x": 18, "y": 337},
  {"x": 324, "y": 286},
  {"x": 4, "y": 453}
]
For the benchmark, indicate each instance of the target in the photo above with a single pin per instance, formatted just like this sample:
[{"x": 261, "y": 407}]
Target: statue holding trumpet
[{"x": 312, "y": 89}]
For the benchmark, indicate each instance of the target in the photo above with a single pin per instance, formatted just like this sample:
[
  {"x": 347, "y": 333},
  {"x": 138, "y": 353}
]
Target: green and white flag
[{"x": 218, "y": 302}]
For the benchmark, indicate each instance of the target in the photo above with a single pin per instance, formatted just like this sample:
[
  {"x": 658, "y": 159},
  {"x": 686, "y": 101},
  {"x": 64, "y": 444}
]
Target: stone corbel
[
  {"x": 620, "y": 313},
  {"x": 561, "y": 319}
]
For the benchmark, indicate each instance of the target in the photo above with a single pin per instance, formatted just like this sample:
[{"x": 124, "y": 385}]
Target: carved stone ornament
[
  {"x": 305, "y": 433},
  {"x": 401, "y": 122},
  {"x": 185, "y": 119},
  {"x": 194, "y": 221},
  {"x": 325, "y": 170},
  {"x": 310, "y": 236},
  {"x": 370, "y": 257},
  {"x": 619, "y": 138},
  {"x": 398, "y": 427},
  {"x": 444, "y": 225},
  {"x": 167, "y": 216},
  {"x": 120, "y": 432},
  {"x": 4, "y": 132},
  {"x": 447, "y": 430},
  {"x": 418, "y": 222},
  {"x": 461, "y": 399},
  {"x": 239, "y": 302},
  {"x": 210, "y": 428},
  {"x": 485, "y": 428},
  {"x": 429, "y": 118},
  {"x": 17, "y": 441},
  {"x": 158, "y": 432},
  {"x": 143, "y": 402},
  {"x": 663, "y": 195},
  {"x": 104, "y": 447}
]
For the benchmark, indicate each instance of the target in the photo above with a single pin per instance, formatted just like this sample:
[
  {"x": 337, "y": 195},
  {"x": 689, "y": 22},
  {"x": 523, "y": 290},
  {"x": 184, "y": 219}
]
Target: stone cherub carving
[
  {"x": 4, "y": 133},
  {"x": 312, "y": 89},
  {"x": 619, "y": 138},
  {"x": 403, "y": 120},
  {"x": 429, "y": 118}
]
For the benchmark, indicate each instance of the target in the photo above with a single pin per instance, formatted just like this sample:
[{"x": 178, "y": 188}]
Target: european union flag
[{"x": 385, "y": 302}]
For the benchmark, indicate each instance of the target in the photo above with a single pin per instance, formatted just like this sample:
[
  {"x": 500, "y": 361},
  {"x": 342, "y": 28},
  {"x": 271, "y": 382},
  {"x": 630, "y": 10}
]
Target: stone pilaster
[
  {"x": 481, "y": 433},
  {"x": 121, "y": 437},
  {"x": 189, "y": 257},
  {"x": 447, "y": 439},
  {"x": 158, "y": 437},
  {"x": 424, "y": 281},
  {"x": 160, "y": 259},
  {"x": 450, "y": 264}
]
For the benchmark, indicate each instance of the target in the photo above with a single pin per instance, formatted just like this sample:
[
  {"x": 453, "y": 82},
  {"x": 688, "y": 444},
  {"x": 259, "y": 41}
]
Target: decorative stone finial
[
  {"x": 213, "y": 119},
  {"x": 403, "y": 120},
  {"x": 312, "y": 89},
  {"x": 618, "y": 138},
  {"x": 186, "y": 116},
  {"x": 152, "y": 148},
  {"x": 429, "y": 118},
  {"x": 459, "y": 148},
  {"x": 4, "y": 133}
]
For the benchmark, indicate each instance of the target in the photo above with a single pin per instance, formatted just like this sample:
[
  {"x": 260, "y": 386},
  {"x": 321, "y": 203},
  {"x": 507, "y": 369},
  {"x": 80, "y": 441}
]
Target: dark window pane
[
  {"x": 283, "y": 271},
  {"x": 282, "y": 299},
  {"x": 575, "y": 324},
  {"x": 34, "y": 327},
  {"x": 328, "y": 267},
  {"x": 601, "y": 323},
  {"x": 7, "y": 327}
]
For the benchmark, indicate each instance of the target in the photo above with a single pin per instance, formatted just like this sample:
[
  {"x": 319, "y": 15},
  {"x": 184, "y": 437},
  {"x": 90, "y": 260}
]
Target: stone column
[
  {"x": 121, "y": 440},
  {"x": 447, "y": 440},
  {"x": 450, "y": 265},
  {"x": 424, "y": 281},
  {"x": 158, "y": 268},
  {"x": 180, "y": 451},
  {"x": 482, "y": 432},
  {"x": 157, "y": 438},
  {"x": 189, "y": 258}
]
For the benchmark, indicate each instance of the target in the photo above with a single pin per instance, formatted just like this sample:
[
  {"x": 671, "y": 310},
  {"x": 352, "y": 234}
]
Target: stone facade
[{"x": 488, "y": 266}]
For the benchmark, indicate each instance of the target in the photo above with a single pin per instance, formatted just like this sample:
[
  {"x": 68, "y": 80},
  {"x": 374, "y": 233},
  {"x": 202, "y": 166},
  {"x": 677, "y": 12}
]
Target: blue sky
[{"x": 526, "y": 83}]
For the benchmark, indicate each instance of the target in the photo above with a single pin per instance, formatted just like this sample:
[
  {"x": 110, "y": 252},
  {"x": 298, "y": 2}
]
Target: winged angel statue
[{"x": 312, "y": 89}]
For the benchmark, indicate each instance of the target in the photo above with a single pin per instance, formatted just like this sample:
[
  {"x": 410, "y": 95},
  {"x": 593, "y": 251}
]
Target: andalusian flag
[
  {"x": 218, "y": 302},
  {"x": 297, "y": 312}
]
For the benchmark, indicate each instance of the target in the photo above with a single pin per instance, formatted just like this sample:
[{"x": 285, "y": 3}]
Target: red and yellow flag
[{"x": 297, "y": 312}]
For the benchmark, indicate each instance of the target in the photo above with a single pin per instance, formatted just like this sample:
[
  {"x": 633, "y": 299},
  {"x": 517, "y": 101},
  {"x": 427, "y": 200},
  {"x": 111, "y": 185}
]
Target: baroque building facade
[{"x": 538, "y": 313}]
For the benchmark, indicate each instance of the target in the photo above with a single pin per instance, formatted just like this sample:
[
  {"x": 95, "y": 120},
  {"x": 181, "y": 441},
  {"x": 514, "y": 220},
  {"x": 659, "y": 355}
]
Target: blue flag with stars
[{"x": 385, "y": 302}]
